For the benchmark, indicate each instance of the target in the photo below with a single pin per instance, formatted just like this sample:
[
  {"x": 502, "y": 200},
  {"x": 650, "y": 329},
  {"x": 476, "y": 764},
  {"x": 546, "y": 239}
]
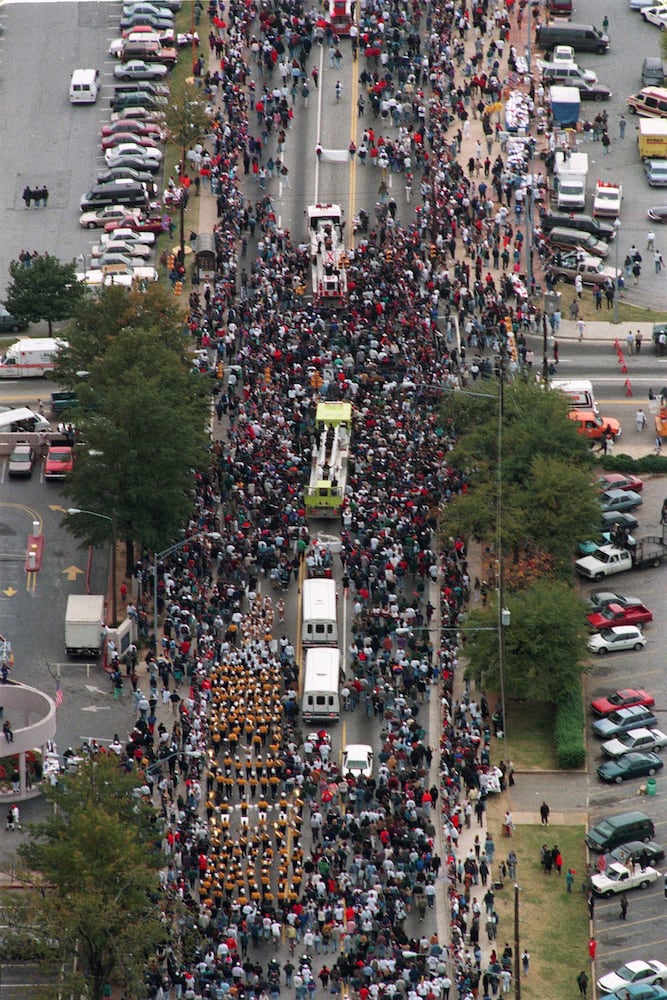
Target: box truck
[
  {"x": 84, "y": 622},
  {"x": 652, "y": 138},
  {"x": 571, "y": 174}
]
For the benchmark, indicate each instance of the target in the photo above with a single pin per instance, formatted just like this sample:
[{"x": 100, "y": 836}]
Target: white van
[
  {"x": 319, "y": 624},
  {"x": 579, "y": 392},
  {"x": 321, "y": 678},
  {"x": 23, "y": 421},
  {"x": 84, "y": 86}
]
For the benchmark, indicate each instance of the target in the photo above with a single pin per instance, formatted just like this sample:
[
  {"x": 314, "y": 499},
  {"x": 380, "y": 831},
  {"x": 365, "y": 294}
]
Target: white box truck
[
  {"x": 570, "y": 180},
  {"x": 84, "y": 621},
  {"x": 31, "y": 357}
]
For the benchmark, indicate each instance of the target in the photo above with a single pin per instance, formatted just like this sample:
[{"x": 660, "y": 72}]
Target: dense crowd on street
[{"x": 265, "y": 841}]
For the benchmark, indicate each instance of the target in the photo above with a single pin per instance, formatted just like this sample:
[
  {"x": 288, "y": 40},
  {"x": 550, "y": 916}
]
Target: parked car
[
  {"x": 137, "y": 252},
  {"x": 135, "y": 222},
  {"x": 623, "y": 698},
  {"x": 638, "y": 971},
  {"x": 623, "y": 721},
  {"x": 128, "y": 236},
  {"x": 635, "y": 740},
  {"x": 617, "y": 639},
  {"x": 617, "y": 481},
  {"x": 617, "y": 614},
  {"x": 617, "y": 878},
  {"x": 657, "y": 213},
  {"x": 588, "y": 91},
  {"x": 584, "y": 223},
  {"x": 9, "y": 323},
  {"x": 138, "y": 69},
  {"x": 656, "y": 172},
  {"x": 110, "y": 213},
  {"x": 591, "y": 269},
  {"x": 631, "y": 765},
  {"x": 135, "y": 126},
  {"x": 620, "y": 500},
  {"x": 21, "y": 461},
  {"x": 602, "y": 598},
  {"x": 59, "y": 461},
  {"x": 656, "y": 16},
  {"x": 611, "y": 518},
  {"x": 636, "y": 850}
]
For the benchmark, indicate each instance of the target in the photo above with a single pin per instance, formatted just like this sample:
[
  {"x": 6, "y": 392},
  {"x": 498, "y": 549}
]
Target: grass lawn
[
  {"x": 553, "y": 925},
  {"x": 530, "y": 736},
  {"x": 627, "y": 313}
]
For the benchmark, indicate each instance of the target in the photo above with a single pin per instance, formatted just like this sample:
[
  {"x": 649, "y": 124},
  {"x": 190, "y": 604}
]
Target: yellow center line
[
  {"x": 298, "y": 648},
  {"x": 354, "y": 114}
]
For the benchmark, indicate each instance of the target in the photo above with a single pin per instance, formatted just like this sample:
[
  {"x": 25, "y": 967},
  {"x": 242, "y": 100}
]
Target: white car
[
  {"x": 618, "y": 878},
  {"x": 131, "y": 149},
  {"x": 635, "y": 739},
  {"x": 358, "y": 760},
  {"x": 638, "y": 971},
  {"x": 136, "y": 251},
  {"x": 607, "y": 200},
  {"x": 128, "y": 236},
  {"x": 138, "y": 69},
  {"x": 118, "y": 275},
  {"x": 616, "y": 639},
  {"x": 98, "y": 218},
  {"x": 641, "y": 4},
  {"x": 656, "y": 15}
]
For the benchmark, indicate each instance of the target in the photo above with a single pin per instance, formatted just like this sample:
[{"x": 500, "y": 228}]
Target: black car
[
  {"x": 143, "y": 87},
  {"x": 634, "y": 849},
  {"x": 583, "y": 223},
  {"x": 589, "y": 91},
  {"x": 143, "y": 176}
]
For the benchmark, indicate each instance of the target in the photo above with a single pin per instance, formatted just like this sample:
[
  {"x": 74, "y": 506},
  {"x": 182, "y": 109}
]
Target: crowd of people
[{"x": 265, "y": 840}]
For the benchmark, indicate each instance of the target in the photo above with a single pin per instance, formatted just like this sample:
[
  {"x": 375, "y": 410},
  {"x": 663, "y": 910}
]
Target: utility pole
[{"x": 517, "y": 946}]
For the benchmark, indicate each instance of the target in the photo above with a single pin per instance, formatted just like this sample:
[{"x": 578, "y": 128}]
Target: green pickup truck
[{"x": 62, "y": 402}]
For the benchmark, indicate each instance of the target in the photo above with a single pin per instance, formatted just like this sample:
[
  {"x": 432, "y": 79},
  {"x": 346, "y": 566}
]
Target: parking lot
[{"x": 642, "y": 935}]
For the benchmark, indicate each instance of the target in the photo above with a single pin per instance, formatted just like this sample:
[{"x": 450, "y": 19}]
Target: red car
[
  {"x": 621, "y": 699},
  {"x": 135, "y": 126},
  {"x": 59, "y": 461},
  {"x": 146, "y": 141},
  {"x": 620, "y": 614},
  {"x": 616, "y": 481},
  {"x": 137, "y": 224}
]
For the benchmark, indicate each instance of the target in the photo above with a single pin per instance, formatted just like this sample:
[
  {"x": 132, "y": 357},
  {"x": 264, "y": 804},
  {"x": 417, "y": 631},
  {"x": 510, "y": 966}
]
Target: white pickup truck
[
  {"x": 608, "y": 559},
  {"x": 618, "y": 878}
]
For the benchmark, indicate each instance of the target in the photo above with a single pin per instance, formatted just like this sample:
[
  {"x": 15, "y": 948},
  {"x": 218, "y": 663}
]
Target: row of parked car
[{"x": 123, "y": 201}]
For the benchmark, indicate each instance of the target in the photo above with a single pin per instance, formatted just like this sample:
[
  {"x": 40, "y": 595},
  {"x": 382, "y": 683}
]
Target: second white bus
[{"x": 319, "y": 621}]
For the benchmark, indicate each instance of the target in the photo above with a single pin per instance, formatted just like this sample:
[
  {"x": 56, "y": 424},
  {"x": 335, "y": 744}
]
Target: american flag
[{"x": 59, "y": 694}]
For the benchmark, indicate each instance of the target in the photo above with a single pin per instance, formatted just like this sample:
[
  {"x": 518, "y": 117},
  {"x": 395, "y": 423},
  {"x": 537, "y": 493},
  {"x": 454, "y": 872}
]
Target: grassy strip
[
  {"x": 553, "y": 924},
  {"x": 531, "y": 736},
  {"x": 627, "y": 313}
]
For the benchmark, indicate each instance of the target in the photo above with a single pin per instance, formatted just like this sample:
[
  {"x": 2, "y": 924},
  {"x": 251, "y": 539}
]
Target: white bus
[
  {"x": 320, "y": 685},
  {"x": 319, "y": 624}
]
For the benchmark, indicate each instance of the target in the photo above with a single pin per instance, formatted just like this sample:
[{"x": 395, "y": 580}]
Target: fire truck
[{"x": 328, "y": 259}]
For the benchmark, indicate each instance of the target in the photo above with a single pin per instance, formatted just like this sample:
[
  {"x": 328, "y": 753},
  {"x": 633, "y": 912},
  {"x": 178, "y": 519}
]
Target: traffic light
[
  {"x": 171, "y": 260},
  {"x": 220, "y": 370},
  {"x": 389, "y": 255},
  {"x": 178, "y": 287},
  {"x": 434, "y": 251}
]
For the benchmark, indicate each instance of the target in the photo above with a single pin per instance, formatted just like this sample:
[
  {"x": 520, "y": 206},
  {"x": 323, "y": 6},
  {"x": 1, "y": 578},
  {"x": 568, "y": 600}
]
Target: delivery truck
[
  {"x": 565, "y": 105},
  {"x": 31, "y": 357},
  {"x": 609, "y": 559},
  {"x": 652, "y": 138},
  {"x": 84, "y": 624},
  {"x": 570, "y": 180}
]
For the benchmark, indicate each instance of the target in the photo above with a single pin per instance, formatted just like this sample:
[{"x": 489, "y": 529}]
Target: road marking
[
  {"x": 72, "y": 572},
  {"x": 354, "y": 115},
  {"x": 320, "y": 91},
  {"x": 10, "y": 591},
  {"x": 96, "y": 708}
]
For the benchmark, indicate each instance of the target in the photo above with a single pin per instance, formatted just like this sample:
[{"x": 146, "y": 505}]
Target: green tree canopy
[
  {"x": 542, "y": 488},
  {"x": 545, "y": 642},
  {"x": 143, "y": 420},
  {"x": 47, "y": 289},
  {"x": 94, "y": 872},
  {"x": 186, "y": 117}
]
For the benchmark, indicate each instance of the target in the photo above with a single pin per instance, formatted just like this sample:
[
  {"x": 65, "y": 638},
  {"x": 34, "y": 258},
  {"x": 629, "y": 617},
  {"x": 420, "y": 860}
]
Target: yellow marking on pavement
[
  {"x": 30, "y": 582},
  {"x": 34, "y": 516},
  {"x": 56, "y": 506},
  {"x": 10, "y": 591},
  {"x": 71, "y": 572},
  {"x": 354, "y": 114}
]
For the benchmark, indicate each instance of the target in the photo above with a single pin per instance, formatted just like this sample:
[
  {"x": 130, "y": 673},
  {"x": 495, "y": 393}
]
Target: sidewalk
[{"x": 600, "y": 332}]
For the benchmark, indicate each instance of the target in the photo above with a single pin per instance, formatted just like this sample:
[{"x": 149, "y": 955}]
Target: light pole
[
  {"x": 167, "y": 552},
  {"x": 81, "y": 259},
  {"x": 617, "y": 227},
  {"x": 112, "y": 518}
]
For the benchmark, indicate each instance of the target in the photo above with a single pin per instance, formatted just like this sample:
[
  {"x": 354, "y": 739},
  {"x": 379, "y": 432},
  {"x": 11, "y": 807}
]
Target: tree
[
  {"x": 545, "y": 642},
  {"x": 540, "y": 494},
  {"x": 144, "y": 423},
  {"x": 47, "y": 289},
  {"x": 93, "y": 871},
  {"x": 186, "y": 118},
  {"x": 98, "y": 321}
]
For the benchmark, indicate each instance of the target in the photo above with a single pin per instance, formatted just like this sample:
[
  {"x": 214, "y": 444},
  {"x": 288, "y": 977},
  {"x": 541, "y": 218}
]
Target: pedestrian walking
[
  {"x": 630, "y": 341},
  {"x": 544, "y": 813},
  {"x": 650, "y": 240},
  {"x": 640, "y": 420},
  {"x": 657, "y": 449},
  {"x": 638, "y": 342},
  {"x": 581, "y": 326},
  {"x": 624, "y": 907},
  {"x": 592, "y": 948},
  {"x": 622, "y": 123},
  {"x": 27, "y": 196},
  {"x": 582, "y": 983},
  {"x": 525, "y": 961}
]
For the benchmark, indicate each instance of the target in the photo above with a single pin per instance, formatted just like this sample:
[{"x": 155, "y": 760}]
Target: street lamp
[
  {"x": 106, "y": 517},
  {"x": 167, "y": 552},
  {"x": 617, "y": 227}
]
